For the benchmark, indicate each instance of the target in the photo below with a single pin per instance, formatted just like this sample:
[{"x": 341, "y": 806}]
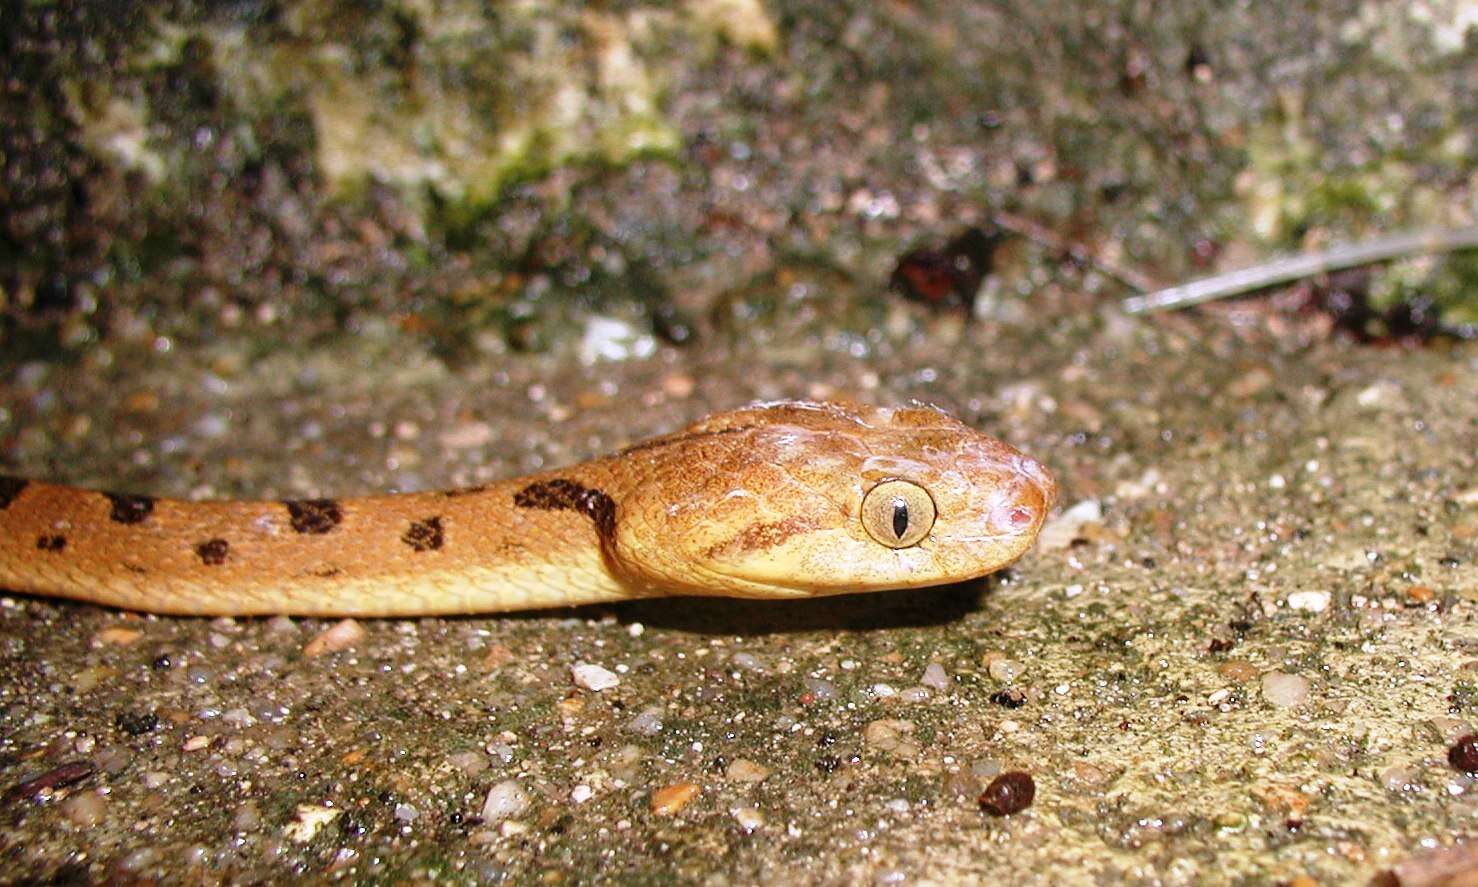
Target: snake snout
[{"x": 1026, "y": 496}]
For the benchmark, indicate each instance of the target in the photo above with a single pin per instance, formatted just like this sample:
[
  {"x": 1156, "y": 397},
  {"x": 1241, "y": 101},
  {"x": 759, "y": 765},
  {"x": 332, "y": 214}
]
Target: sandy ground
[{"x": 1241, "y": 654}]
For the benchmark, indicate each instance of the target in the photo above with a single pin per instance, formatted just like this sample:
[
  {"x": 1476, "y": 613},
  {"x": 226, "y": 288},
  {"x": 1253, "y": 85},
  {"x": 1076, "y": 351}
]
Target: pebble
[
  {"x": 310, "y": 818},
  {"x": 248, "y": 818},
  {"x": 116, "y": 637},
  {"x": 745, "y": 770},
  {"x": 648, "y": 721},
  {"x": 341, "y": 636},
  {"x": 1062, "y": 530},
  {"x": 935, "y": 677},
  {"x": 961, "y": 784},
  {"x": 1237, "y": 670},
  {"x": 1005, "y": 670},
  {"x": 820, "y": 689},
  {"x": 581, "y": 793},
  {"x": 593, "y": 677},
  {"x": 505, "y": 800},
  {"x": 1011, "y": 792},
  {"x": 470, "y": 763},
  {"x": 1285, "y": 690},
  {"x": 1398, "y": 779},
  {"x": 672, "y": 798},
  {"x": 1311, "y": 601},
  {"x": 892, "y": 736},
  {"x": 85, "y": 809},
  {"x": 748, "y": 818}
]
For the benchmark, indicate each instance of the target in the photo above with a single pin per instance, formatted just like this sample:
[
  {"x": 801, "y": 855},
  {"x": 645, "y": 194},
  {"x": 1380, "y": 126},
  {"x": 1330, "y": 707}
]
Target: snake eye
[{"x": 898, "y": 513}]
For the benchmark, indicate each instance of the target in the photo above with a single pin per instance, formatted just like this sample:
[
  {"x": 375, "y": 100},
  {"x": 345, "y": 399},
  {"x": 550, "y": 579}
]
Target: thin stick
[{"x": 1346, "y": 255}]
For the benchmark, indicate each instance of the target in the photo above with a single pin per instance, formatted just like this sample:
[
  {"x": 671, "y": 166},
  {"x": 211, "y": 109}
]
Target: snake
[{"x": 775, "y": 500}]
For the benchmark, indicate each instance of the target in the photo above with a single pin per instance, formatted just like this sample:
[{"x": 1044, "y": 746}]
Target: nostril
[{"x": 1013, "y": 517}]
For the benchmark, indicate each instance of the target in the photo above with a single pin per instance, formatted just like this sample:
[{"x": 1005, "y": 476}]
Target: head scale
[{"x": 802, "y": 499}]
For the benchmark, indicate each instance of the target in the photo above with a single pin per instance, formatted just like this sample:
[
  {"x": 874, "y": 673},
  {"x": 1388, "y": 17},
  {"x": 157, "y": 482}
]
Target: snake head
[{"x": 805, "y": 499}]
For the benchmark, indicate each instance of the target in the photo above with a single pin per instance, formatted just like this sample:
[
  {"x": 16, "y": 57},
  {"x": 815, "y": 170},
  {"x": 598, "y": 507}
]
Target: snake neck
[{"x": 521, "y": 544}]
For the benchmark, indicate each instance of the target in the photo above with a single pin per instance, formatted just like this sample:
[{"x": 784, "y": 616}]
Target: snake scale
[{"x": 776, "y": 500}]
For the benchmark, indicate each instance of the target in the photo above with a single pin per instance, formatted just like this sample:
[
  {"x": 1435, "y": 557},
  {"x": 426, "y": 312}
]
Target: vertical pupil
[{"x": 900, "y": 517}]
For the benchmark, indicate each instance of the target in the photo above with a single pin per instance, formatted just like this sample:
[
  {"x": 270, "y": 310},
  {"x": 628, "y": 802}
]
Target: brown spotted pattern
[
  {"x": 129, "y": 509},
  {"x": 424, "y": 535},
  {"x": 213, "y": 552},
  {"x": 314, "y": 516},
  {"x": 761, "y": 502},
  {"x": 562, "y": 494}
]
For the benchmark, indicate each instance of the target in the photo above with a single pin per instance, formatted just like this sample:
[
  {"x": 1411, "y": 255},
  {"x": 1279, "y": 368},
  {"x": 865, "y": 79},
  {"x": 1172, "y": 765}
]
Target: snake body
[{"x": 777, "y": 500}]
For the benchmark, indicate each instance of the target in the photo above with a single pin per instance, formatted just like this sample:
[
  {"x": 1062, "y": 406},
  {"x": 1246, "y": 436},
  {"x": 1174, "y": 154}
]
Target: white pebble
[
  {"x": 1063, "y": 529},
  {"x": 505, "y": 800},
  {"x": 648, "y": 721},
  {"x": 1005, "y": 670},
  {"x": 581, "y": 793},
  {"x": 749, "y": 818},
  {"x": 593, "y": 677},
  {"x": 935, "y": 677},
  {"x": 1312, "y": 601},
  {"x": 1285, "y": 690}
]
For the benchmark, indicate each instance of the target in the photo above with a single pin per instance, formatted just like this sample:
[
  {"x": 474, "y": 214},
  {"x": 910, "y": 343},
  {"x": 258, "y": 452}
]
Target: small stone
[
  {"x": 505, "y": 800},
  {"x": 648, "y": 721},
  {"x": 672, "y": 798},
  {"x": 593, "y": 677},
  {"x": 1011, "y": 792},
  {"x": 1238, "y": 671},
  {"x": 310, "y": 818},
  {"x": 1398, "y": 779},
  {"x": 1069, "y": 525},
  {"x": 1005, "y": 670},
  {"x": 961, "y": 784},
  {"x": 340, "y": 636},
  {"x": 935, "y": 677},
  {"x": 581, "y": 793},
  {"x": 1420, "y": 594},
  {"x": 1463, "y": 755},
  {"x": 892, "y": 736},
  {"x": 85, "y": 809},
  {"x": 470, "y": 763},
  {"x": 1285, "y": 690},
  {"x": 116, "y": 637},
  {"x": 748, "y": 818},
  {"x": 1311, "y": 601},
  {"x": 745, "y": 770}
]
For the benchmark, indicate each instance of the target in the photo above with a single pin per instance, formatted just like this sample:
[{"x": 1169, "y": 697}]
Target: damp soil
[{"x": 1245, "y": 650}]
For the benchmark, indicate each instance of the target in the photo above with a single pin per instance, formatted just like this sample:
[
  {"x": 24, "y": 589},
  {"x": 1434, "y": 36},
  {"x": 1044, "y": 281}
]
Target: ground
[{"x": 1241, "y": 653}]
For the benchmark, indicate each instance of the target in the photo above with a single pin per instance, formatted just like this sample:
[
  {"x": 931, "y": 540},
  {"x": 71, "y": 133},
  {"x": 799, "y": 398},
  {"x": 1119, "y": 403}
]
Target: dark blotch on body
[
  {"x": 213, "y": 552},
  {"x": 10, "y": 488},
  {"x": 130, "y": 509},
  {"x": 314, "y": 516},
  {"x": 561, "y": 494},
  {"x": 51, "y": 543},
  {"x": 424, "y": 535}
]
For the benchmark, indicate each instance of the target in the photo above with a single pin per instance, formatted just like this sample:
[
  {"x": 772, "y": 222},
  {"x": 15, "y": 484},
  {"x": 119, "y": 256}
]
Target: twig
[{"x": 1346, "y": 255}]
